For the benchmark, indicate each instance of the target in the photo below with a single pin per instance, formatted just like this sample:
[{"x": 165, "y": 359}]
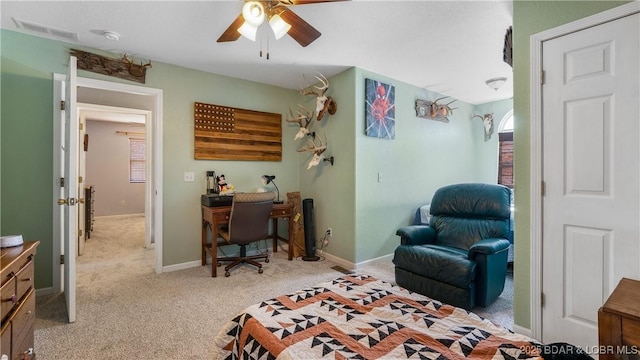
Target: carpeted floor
[{"x": 126, "y": 311}]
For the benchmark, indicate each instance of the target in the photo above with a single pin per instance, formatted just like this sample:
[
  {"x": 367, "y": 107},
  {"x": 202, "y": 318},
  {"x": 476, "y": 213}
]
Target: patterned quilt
[{"x": 360, "y": 317}]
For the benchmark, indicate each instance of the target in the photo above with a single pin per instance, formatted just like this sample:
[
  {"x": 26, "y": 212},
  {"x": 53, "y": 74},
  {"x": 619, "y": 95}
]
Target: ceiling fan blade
[
  {"x": 232, "y": 34},
  {"x": 301, "y": 31}
]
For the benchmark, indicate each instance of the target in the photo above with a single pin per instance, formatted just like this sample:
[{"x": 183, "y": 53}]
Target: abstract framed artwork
[{"x": 380, "y": 109}]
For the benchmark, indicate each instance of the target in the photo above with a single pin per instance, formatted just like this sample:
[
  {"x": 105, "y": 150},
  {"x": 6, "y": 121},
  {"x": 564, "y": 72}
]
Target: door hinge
[
  {"x": 541, "y": 299},
  {"x": 62, "y": 259},
  {"x": 81, "y": 126},
  {"x": 80, "y": 179},
  {"x": 542, "y": 77},
  {"x": 63, "y": 105},
  {"x": 61, "y": 182},
  {"x": 542, "y": 188},
  {"x": 80, "y": 233}
]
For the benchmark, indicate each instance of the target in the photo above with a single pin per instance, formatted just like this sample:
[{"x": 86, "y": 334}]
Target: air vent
[{"x": 43, "y": 29}]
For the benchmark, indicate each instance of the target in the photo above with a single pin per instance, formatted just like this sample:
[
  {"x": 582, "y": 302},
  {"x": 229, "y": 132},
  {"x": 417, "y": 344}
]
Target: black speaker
[{"x": 309, "y": 231}]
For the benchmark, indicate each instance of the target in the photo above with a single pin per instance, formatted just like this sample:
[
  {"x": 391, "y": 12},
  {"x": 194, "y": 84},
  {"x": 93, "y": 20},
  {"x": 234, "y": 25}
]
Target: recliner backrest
[
  {"x": 250, "y": 214},
  {"x": 463, "y": 214}
]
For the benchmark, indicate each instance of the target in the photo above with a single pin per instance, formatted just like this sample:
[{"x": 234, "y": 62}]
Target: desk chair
[{"x": 248, "y": 222}]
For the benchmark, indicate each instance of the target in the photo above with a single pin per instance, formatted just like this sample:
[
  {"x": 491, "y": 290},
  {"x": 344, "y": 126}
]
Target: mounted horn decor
[
  {"x": 121, "y": 68},
  {"x": 324, "y": 103},
  {"x": 434, "y": 110},
  {"x": 487, "y": 122},
  {"x": 317, "y": 150}
]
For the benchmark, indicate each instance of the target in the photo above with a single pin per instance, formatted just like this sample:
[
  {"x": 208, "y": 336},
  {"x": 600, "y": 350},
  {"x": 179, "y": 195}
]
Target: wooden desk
[
  {"x": 619, "y": 322},
  {"x": 220, "y": 215}
]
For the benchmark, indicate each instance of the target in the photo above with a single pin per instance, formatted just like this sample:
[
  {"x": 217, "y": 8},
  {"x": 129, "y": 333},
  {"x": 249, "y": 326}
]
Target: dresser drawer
[
  {"x": 25, "y": 279},
  {"x": 7, "y": 297},
  {"x": 24, "y": 319},
  {"x": 5, "y": 339},
  {"x": 23, "y": 348},
  {"x": 630, "y": 332}
]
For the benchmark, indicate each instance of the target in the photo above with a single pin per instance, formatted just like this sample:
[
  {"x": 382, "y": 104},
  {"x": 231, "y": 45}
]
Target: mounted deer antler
[
  {"x": 436, "y": 109},
  {"x": 315, "y": 149},
  {"x": 135, "y": 69},
  {"x": 487, "y": 123},
  {"x": 323, "y": 103},
  {"x": 305, "y": 116}
]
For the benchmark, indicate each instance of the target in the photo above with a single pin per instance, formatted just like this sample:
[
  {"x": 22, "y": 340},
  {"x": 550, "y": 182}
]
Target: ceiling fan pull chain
[
  {"x": 260, "y": 47},
  {"x": 267, "y": 46}
]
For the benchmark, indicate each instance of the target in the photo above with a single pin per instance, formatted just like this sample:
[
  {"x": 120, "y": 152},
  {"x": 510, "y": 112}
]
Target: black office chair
[{"x": 248, "y": 222}]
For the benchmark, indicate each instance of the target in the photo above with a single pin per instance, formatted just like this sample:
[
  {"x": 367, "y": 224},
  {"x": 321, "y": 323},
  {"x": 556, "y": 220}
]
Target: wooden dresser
[
  {"x": 18, "y": 301},
  {"x": 619, "y": 322}
]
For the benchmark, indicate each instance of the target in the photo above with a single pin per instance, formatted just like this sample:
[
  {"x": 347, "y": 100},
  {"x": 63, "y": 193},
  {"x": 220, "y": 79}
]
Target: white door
[
  {"x": 591, "y": 173},
  {"x": 82, "y": 175},
  {"x": 70, "y": 156}
]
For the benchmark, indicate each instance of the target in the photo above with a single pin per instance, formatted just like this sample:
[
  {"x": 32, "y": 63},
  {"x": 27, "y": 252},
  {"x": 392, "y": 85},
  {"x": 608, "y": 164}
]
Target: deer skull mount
[
  {"x": 303, "y": 115},
  {"x": 487, "y": 122},
  {"x": 317, "y": 150},
  {"x": 324, "y": 103}
]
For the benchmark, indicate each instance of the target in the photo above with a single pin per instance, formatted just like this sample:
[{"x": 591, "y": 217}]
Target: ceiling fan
[{"x": 281, "y": 19}]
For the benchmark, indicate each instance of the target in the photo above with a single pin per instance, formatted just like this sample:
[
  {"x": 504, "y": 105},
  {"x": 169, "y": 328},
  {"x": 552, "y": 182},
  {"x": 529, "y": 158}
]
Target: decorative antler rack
[
  {"x": 121, "y": 68},
  {"x": 324, "y": 104}
]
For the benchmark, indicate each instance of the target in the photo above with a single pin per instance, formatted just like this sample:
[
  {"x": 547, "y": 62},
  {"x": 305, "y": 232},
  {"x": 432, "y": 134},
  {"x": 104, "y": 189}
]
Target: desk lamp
[{"x": 268, "y": 179}]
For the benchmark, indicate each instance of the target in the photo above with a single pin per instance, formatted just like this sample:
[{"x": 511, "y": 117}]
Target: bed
[{"x": 361, "y": 317}]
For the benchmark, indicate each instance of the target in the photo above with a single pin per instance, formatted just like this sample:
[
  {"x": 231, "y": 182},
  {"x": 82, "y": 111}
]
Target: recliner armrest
[
  {"x": 488, "y": 246},
  {"x": 416, "y": 235}
]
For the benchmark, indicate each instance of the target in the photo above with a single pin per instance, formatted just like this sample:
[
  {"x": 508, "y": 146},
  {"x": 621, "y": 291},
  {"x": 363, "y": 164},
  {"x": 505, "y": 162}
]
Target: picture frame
[{"x": 380, "y": 109}]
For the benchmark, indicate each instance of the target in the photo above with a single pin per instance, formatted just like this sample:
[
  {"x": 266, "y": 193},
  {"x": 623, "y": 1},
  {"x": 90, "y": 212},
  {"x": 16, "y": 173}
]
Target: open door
[{"x": 69, "y": 198}]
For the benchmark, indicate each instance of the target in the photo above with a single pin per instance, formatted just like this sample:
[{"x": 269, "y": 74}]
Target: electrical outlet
[
  {"x": 329, "y": 232},
  {"x": 189, "y": 176}
]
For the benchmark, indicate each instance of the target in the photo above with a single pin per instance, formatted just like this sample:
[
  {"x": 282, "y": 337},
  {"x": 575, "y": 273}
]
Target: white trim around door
[{"x": 536, "y": 188}]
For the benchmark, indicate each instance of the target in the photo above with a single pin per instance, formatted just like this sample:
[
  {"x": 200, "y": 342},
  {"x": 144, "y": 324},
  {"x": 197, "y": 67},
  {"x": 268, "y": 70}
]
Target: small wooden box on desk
[
  {"x": 619, "y": 322},
  {"x": 17, "y": 301}
]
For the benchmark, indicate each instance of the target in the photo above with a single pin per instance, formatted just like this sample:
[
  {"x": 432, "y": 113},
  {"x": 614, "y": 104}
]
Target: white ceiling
[{"x": 450, "y": 47}]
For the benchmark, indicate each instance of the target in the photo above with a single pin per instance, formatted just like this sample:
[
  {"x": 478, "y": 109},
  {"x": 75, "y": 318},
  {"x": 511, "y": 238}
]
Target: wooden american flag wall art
[{"x": 227, "y": 133}]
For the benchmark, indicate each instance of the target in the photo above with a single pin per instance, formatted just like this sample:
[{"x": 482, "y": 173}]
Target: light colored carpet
[{"x": 126, "y": 311}]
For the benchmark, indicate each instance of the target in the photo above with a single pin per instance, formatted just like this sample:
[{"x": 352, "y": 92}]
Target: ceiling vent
[{"x": 31, "y": 26}]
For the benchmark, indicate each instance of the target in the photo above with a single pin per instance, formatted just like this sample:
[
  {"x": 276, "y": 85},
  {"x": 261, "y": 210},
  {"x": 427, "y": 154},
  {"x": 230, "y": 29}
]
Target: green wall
[
  {"x": 362, "y": 212},
  {"x": 28, "y": 64},
  {"x": 531, "y": 17},
  {"x": 424, "y": 156}
]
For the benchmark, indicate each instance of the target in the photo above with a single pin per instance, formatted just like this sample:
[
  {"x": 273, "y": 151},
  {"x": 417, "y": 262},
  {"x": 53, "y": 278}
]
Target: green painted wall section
[
  {"x": 531, "y": 17},
  {"x": 424, "y": 156},
  {"x": 28, "y": 64},
  {"x": 333, "y": 188},
  {"x": 362, "y": 212}
]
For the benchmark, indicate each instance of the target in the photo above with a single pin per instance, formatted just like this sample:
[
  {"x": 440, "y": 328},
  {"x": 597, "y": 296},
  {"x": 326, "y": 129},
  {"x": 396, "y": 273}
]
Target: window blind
[{"x": 137, "y": 160}]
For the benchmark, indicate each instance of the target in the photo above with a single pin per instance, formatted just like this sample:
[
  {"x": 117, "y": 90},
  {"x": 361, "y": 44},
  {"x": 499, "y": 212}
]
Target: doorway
[
  {"x": 113, "y": 165},
  {"x": 98, "y": 89},
  {"x": 585, "y": 177}
]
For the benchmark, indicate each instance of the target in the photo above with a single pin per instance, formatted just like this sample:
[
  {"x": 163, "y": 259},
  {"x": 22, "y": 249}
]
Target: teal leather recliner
[{"x": 460, "y": 258}]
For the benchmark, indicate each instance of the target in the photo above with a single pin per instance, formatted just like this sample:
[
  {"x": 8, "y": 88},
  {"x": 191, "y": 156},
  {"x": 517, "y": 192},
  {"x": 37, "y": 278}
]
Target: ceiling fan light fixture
[
  {"x": 279, "y": 26},
  {"x": 248, "y": 30},
  {"x": 496, "y": 83},
  {"x": 253, "y": 13}
]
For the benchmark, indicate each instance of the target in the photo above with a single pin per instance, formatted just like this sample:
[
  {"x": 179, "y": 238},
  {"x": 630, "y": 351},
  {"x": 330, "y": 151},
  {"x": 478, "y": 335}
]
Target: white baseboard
[
  {"x": 119, "y": 216},
  {"x": 388, "y": 257},
  {"x": 340, "y": 261},
  {"x": 44, "y": 291},
  {"x": 181, "y": 266},
  {"x": 521, "y": 330}
]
